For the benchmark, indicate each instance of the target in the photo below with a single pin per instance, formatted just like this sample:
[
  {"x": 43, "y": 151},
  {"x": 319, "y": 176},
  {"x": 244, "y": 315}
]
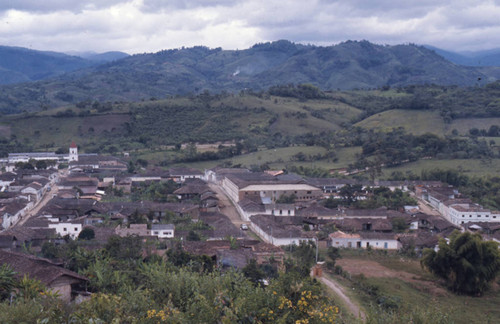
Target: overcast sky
[{"x": 138, "y": 26}]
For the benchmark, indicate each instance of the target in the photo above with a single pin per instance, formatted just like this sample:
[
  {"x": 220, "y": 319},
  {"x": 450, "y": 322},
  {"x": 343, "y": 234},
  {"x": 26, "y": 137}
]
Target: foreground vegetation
[{"x": 128, "y": 288}]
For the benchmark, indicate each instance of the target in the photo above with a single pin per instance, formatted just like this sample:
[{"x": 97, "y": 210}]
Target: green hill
[
  {"x": 419, "y": 122},
  {"x": 22, "y": 65},
  {"x": 183, "y": 71}
]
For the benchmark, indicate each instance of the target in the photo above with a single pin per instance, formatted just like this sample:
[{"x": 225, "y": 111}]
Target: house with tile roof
[{"x": 66, "y": 283}]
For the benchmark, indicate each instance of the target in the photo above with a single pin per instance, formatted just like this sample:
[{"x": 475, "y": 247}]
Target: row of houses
[
  {"x": 455, "y": 208},
  {"x": 257, "y": 198},
  {"x": 21, "y": 191}
]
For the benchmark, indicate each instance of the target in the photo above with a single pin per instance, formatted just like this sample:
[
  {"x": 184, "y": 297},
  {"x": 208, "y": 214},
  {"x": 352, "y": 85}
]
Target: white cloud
[{"x": 150, "y": 25}]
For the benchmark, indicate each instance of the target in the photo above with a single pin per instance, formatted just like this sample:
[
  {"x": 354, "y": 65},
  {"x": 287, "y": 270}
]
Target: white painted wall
[{"x": 71, "y": 229}]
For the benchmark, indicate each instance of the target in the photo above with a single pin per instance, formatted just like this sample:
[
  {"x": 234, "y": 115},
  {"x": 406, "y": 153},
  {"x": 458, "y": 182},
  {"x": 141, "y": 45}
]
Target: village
[{"x": 232, "y": 215}]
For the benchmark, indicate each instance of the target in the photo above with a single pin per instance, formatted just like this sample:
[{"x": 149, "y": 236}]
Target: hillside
[
  {"x": 279, "y": 117},
  {"x": 347, "y": 65},
  {"x": 156, "y": 123},
  {"x": 23, "y": 65}
]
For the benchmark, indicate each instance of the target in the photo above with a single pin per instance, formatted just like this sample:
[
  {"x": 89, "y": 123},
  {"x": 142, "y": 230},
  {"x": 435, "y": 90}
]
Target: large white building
[
  {"x": 44, "y": 156},
  {"x": 363, "y": 240},
  {"x": 465, "y": 213}
]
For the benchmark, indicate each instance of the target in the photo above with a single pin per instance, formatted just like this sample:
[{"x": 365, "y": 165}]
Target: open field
[
  {"x": 472, "y": 167},
  {"x": 419, "y": 122},
  {"x": 278, "y": 158},
  {"x": 411, "y": 287}
]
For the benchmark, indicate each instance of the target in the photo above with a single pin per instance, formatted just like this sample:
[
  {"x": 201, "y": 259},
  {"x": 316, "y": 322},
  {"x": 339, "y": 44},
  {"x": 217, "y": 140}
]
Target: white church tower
[{"x": 73, "y": 152}]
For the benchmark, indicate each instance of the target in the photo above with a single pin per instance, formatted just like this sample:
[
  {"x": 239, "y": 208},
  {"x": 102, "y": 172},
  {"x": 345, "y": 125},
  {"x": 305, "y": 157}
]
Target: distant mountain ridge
[
  {"x": 101, "y": 57},
  {"x": 19, "y": 64},
  {"x": 348, "y": 65},
  {"x": 478, "y": 58}
]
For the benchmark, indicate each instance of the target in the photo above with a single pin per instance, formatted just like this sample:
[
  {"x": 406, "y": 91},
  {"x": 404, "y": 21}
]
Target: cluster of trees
[
  {"x": 191, "y": 154},
  {"x": 375, "y": 198},
  {"x": 12, "y": 145},
  {"x": 396, "y": 147},
  {"x": 182, "y": 288},
  {"x": 466, "y": 263},
  {"x": 300, "y": 91},
  {"x": 36, "y": 164},
  {"x": 195, "y": 122},
  {"x": 493, "y": 131},
  {"x": 154, "y": 191},
  {"x": 465, "y": 102}
]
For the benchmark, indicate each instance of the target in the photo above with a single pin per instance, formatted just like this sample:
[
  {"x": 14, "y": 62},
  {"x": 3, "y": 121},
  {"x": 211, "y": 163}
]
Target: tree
[
  {"x": 41, "y": 165},
  {"x": 253, "y": 272},
  {"x": 467, "y": 263},
  {"x": 399, "y": 224},
  {"x": 349, "y": 193},
  {"x": 86, "y": 234},
  {"x": 193, "y": 236},
  {"x": 7, "y": 281}
]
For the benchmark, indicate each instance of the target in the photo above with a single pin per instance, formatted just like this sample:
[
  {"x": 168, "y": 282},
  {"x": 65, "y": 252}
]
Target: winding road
[{"x": 340, "y": 292}]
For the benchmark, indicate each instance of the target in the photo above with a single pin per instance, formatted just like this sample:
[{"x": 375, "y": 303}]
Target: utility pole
[{"x": 317, "y": 243}]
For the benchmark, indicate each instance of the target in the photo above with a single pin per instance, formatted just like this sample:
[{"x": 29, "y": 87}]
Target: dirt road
[
  {"x": 39, "y": 205},
  {"x": 426, "y": 209},
  {"x": 227, "y": 208},
  {"x": 340, "y": 292}
]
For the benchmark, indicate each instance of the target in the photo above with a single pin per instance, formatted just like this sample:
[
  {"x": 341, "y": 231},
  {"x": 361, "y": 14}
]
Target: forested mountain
[
  {"x": 348, "y": 65},
  {"x": 22, "y": 65}
]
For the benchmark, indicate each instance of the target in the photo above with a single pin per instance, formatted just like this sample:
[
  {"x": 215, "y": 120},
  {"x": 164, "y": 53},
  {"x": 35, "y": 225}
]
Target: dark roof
[
  {"x": 485, "y": 226},
  {"x": 421, "y": 239},
  {"x": 161, "y": 227},
  {"x": 249, "y": 205},
  {"x": 38, "y": 268},
  {"x": 192, "y": 189},
  {"x": 25, "y": 234},
  {"x": 237, "y": 259},
  {"x": 208, "y": 195},
  {"x": 8, "y": 176},
  {"x": 221, "y": 224},
  {"x": 206, "y": 247},
  {"x": 280, "y": 226},
  {"x": 245, "y": 179},
  {"x": 321, "y": 182},
  {"x": 356, "y": 224},
  {"x": 37, "y": 222},
  {"x": 13, "y": 207},
  {"x": 316, "y": 210},
  {"x": 184, "y": 171},
  {"x": 128, "y": 208}
]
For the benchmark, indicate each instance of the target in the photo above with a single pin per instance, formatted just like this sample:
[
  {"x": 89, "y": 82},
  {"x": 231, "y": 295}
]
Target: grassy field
[
  {"x": 473, "y": 167},
  {"x": 419, "y": 122},
  {"x": 411, "y": 287},
  {"x": 278, "y": 158}
]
